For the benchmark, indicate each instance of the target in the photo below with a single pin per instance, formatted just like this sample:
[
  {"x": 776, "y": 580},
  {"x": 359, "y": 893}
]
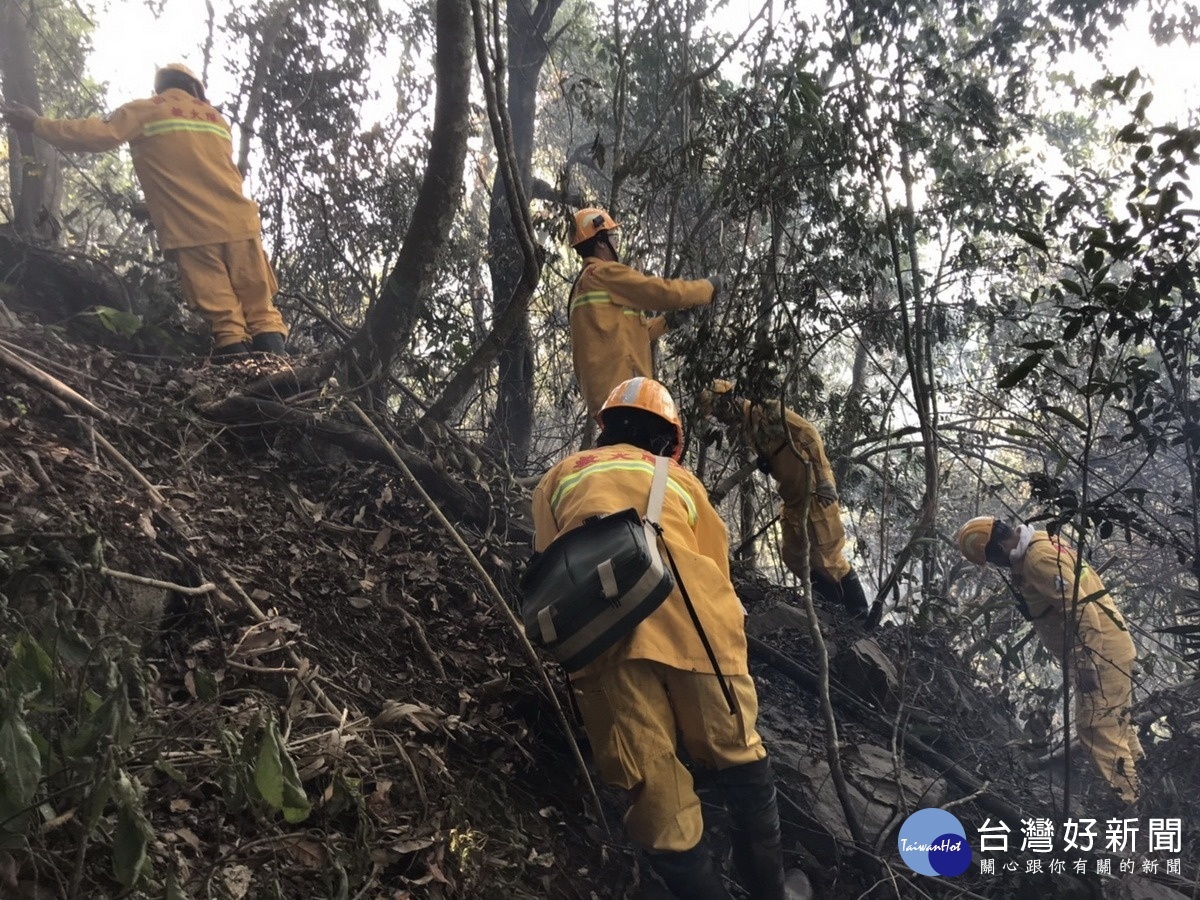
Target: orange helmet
[
  {"x": 182, "y": 70},
  {"x": 180, "y": 67},
  {"x": 589, "y": 223},
  {"x": 973, "y": 539},
  {"x": 646, "y": 394},
  {"x": 709, "y": 396}
]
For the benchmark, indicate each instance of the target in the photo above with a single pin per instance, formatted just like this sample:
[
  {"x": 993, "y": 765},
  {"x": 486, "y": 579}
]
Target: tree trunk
[
  {"x": 391, "y": 319},
  {"x": 272, "y": 25},
  {"x": 512, "y": 429},
  {"x": 32, "y": 164}
]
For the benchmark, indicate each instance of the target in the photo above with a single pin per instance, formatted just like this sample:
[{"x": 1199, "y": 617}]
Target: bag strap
[
  {"x": 687, "y": 601},
  {"x": 658, "y": 489}
]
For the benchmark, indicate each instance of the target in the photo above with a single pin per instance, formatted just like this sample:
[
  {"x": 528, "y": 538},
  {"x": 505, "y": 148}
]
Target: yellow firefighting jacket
[
  {"x": 1045, "y": 575},
  {"x": 765, "y": 432},
  {"x": 611, "y": 333},
  {"x": 611, "y": 479},
  {"x": 183, "y": 156}
]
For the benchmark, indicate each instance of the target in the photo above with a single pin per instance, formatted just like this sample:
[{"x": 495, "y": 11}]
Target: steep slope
[{"x": 242, "y": 658}]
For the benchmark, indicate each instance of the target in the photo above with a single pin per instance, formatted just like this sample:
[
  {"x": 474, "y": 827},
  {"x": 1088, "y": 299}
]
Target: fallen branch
[
  {"x": 51, "y": 385},
  {"x": 500, "y": 603},
  {"x": 729, "y": 483},
  {"x": 287, "y": 382},
  {"x": 205, "y": 588},
  {"x": 247, "y": 412},
  {"x": 869, "y": 717}
]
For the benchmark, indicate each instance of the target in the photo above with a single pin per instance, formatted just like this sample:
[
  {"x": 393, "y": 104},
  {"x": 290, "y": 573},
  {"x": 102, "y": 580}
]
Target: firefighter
[
  {"x": 1077, "y": 619},
  {"x": 612, "y": 328},
  {"x": 658, "y": 685},
  {"x": 182, "y": 154},
  {"x": 788, "y": 446}
]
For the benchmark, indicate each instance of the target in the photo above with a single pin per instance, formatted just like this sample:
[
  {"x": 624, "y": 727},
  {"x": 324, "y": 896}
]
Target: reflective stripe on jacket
[
  {"x": 183, "y": 156},
  {"x": 1045, "y": 575},
  {"x": 611, "y": 479},
  {"x": 611, "y": 333}
]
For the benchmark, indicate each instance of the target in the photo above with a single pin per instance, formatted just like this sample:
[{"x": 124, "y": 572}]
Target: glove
[
  {"x": 19, "y": 116},
  {"x": 717, "y": 282},
  {"x": 1087, "y": 679},
  {"x": 677, "y": 318}
]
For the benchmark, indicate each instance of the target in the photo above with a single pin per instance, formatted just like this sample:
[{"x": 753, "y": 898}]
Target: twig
[
  {"x": 983, "y": 789},
  {"x": 500, "y": 604},
  {"x": 814, "y": 629},
  {"x": 262, "y": 670},
  {"x": 48, "y": 364},
  {"x": 423, "y": 643},
  {"x": 35, "y": 466},
  {"x": 314, "y": 690},
  {"x": 206, "y": 588},
  {"x": 412, "y": 767},
  {"x": 51, "y": 385},
  {"x": 120, "y": 458}
]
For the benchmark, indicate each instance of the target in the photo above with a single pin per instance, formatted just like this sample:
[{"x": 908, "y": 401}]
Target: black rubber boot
[
  {"x": 826, "y": 588},
  {"x": 691, "y": 875},
  {"x": 749, "y": 793},
  {"x": 269, "y": 342},
  {"x": 853, "y": 597},
  {"x": 230, "y": 352},
  {"x": 848, "y": 592}
]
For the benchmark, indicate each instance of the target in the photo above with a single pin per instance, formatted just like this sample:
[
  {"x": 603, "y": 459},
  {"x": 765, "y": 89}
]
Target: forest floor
[{"x": 312, "y": 693}]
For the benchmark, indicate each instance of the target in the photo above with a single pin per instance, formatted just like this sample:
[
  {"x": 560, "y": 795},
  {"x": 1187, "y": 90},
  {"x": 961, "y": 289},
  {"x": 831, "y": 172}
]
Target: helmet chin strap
[{"x": 611, "y": 248}]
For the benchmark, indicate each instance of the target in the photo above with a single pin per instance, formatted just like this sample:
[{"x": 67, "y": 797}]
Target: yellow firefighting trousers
[
  {"x": 232, "y": 286},
  {"x": 1103, "y": 724},
  {"x": 826, "y": 540},
  {"x": 632, "y": 713}
]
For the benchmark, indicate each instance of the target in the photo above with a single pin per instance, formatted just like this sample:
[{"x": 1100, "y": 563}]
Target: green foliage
[
  {"x": 116, "y": 321},
  {"x": 258, "y": 770},
  {"x": 67, "y": 723},
  {"x": 22, "y": 769},
  {"x": 276, "y": 778},
  {"x": 132, "y": 834}
]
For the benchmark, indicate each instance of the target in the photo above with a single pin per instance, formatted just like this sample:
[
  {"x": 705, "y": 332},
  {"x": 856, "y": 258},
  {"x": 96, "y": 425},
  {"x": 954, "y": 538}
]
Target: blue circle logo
[{"x": 933, "y": 842}]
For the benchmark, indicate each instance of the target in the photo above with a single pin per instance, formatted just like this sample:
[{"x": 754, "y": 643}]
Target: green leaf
[
  {"x": 1064, "y": 413},
  {"x": 276, "y": 777},
  {"x": 174, "y": 890},
  {"x": 1032, "y": 238},
  {"x": 118, "y": 322},
  {"x": 30, "y": 670},
  {"x": 132, "y": 834},
  {"x": 1018, "y": 374},
  {"x": 20, "y": 762},
  {"x": 170, "y": 771},
  {"x": 98, "y": 800}
]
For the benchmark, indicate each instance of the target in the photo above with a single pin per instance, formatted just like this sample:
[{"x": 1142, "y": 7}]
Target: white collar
[{"x": 1024, "y": 536}]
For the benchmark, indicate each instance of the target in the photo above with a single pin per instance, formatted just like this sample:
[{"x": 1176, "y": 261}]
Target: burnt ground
[{"x": 320, "y": 697}]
